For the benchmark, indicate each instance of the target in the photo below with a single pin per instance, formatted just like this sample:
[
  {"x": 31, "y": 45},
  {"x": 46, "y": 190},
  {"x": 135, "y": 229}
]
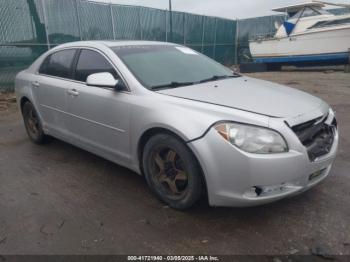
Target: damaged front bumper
[{"x": 236, "y": 178}]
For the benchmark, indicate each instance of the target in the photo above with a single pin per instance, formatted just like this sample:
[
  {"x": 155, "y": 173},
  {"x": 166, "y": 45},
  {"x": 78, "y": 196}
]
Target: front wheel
[{"x": 172, "y": 171}]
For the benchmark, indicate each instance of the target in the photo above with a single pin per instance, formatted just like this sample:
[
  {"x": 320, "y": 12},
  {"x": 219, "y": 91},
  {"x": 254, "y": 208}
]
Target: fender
[{"x": 169, "y": 115}]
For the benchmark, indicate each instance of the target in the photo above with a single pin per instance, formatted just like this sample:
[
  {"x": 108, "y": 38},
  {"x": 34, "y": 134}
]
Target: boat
[{"x": 310, "y": 36}]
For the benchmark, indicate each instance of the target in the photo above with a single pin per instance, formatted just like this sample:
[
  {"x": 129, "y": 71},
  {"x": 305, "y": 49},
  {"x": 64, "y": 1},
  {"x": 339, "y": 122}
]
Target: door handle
[
  {"x": 35, "y": 84},
  {"x": 73, "y": 92}
]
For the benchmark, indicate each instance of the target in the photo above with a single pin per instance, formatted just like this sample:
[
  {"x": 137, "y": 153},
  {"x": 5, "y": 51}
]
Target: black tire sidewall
[
  {"x": 195, "y": 185},
  {"x": 40, "y": 138}
]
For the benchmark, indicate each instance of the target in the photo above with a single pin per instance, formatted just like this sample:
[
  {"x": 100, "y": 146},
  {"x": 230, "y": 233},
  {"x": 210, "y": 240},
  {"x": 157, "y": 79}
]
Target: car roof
[{"x": 111, "y": 43}]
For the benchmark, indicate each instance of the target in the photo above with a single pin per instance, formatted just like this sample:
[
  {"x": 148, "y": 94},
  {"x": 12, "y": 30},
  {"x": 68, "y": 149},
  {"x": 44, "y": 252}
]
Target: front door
[{"x": 98, "y": 117}]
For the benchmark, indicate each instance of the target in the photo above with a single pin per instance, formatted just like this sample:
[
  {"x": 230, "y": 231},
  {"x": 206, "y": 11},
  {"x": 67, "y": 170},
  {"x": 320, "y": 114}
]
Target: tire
[
  {"x": 172, "y": 172},
  {"x": 33, "y": 124}
]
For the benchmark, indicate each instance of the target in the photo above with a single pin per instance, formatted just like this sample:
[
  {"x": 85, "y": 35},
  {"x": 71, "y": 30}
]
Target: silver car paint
[
  {"x": 111, "y": 123},
  {"x": 251, "y": 95}
]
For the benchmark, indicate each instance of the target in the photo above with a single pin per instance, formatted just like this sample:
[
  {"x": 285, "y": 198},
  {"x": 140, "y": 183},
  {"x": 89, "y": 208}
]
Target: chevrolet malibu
[{"x": 191, "y": 126}]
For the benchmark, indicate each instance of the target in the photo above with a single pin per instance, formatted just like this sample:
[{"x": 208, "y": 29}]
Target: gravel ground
[{"x": 58, "y": 199}]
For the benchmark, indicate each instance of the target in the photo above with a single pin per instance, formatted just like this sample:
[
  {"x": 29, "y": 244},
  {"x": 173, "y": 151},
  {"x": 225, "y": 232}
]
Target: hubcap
[{"x": 169, "y": 172}]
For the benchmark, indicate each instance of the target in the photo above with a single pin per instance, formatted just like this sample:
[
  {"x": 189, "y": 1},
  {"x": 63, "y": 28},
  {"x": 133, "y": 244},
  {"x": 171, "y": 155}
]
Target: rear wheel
[
  {"x": 33, "y": 124},
  {"x": 172, "y": 172}
]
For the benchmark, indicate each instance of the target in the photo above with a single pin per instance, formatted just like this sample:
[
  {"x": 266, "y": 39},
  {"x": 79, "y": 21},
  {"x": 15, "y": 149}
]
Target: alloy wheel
[
  {"x": 168, "y": 173},
  {"x": 32, "y": 122}
]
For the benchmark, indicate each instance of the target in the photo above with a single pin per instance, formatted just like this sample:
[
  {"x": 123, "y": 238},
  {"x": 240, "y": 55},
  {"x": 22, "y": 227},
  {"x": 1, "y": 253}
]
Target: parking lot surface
[{"x": 58, "y": 199}]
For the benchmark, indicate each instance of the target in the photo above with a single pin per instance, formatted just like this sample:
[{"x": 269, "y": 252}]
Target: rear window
[{"x": 59, "y": 64}]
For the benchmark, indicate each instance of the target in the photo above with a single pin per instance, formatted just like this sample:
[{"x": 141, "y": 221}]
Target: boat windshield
[{"x": 308, "y": 12}]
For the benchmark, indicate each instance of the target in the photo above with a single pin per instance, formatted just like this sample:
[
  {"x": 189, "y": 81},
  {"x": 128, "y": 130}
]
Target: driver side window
[{"x": 91, "y": 62}]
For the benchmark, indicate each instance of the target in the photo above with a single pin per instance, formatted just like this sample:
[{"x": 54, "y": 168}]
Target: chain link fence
[{"x": 31, "y": 27}]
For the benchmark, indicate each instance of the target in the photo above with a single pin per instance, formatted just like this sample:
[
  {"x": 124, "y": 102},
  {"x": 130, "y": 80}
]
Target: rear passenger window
[
  {"x": 91, "y": 62},
  {"x": 58, "y": 64}
]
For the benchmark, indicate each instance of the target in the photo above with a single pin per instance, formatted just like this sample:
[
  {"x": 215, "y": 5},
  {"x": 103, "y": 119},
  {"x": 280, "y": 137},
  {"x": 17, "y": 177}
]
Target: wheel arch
[
  {"x": 146, "y": 135},
  {"x": 23, "y": 100},
  {"x": 160, "y": 130},
  {"x": 26, "y": 98}
]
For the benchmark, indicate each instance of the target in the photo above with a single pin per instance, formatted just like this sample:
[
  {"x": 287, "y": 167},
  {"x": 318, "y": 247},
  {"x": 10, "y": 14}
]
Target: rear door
[
  {"x": 98, "y": 117},
  {"x": 54, "y": 78}
]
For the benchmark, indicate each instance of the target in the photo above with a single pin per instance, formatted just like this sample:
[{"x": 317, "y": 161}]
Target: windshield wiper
[
  {"x": 214, "y": 78},
  {"x": 171, "y": 85},
  {"x": 180, "y": 84}
]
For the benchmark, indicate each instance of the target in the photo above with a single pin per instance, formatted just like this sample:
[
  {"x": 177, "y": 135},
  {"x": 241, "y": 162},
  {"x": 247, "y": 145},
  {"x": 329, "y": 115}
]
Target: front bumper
[{"x": 236, "y": 178}]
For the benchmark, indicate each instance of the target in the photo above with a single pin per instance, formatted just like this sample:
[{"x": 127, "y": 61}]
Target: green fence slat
[
  {"x": 176, "y": 34},
  {"x": 19, "y": 25},
  {"x": 127, "y": 22},
  {"x": 209, "y": 30},
  {"x": 95, "y": 20},
  {"x": 62, "y": 21},
  {"x": 194, "y": 29},
  {"x": 153, "y": 24},
  {"x": 14, "y": 59}
]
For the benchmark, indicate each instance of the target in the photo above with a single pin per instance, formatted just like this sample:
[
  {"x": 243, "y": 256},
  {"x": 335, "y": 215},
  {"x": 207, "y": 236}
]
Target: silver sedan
[{"x": 191, "y": 126}]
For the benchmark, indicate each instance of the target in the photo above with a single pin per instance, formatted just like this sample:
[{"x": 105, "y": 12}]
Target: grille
[{"x": 316, "y": 136}]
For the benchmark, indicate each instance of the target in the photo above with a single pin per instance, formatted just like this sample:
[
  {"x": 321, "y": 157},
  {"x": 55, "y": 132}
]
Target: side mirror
[
  {"x": 102, "y": 80},
  {"x": 120, "y": 86}
]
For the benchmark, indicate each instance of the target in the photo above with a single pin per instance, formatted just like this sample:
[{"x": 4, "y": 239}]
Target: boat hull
[{"x": 311, "y": 48}]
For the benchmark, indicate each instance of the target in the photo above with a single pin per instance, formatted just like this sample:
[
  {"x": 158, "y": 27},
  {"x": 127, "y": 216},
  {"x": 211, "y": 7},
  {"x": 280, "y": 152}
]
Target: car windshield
[{"x": 166, "y": 66}]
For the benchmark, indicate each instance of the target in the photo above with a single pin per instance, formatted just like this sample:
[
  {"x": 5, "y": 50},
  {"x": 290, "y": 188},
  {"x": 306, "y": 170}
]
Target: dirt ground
[{"x": 58, "y": 199}]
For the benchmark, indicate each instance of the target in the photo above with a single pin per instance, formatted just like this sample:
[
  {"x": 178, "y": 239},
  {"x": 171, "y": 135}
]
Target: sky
[{"x": 223, "y": 8}]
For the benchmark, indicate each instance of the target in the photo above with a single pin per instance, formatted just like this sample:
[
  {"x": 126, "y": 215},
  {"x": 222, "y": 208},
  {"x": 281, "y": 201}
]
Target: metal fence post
[
  {"x": 203, "y": 32},
  {"x": 140, "y": 25},
  {"x": 236, "y": 42},
  {"x": 78, "y": 19},
  {"x": 112, "y": 18},
  {"x": 171, "y": 21},
  {"x": 166, "y": 25},
  {"x": 46, "y": 24},
  {"x": 216, "y": 26},
  {"x": 184, "y": 24}
]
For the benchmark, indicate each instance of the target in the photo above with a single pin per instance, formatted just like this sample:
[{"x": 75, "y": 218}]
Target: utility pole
[{"x": 171, "y": 21}]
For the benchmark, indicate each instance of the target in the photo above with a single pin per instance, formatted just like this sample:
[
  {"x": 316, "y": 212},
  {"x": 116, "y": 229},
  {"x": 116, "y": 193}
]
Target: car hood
[{"x": 251, "y": 95}]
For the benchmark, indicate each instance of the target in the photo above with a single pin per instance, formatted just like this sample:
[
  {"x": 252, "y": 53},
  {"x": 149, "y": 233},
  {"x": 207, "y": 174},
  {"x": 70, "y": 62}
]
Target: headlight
[{"x": 252, "y": 139}]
